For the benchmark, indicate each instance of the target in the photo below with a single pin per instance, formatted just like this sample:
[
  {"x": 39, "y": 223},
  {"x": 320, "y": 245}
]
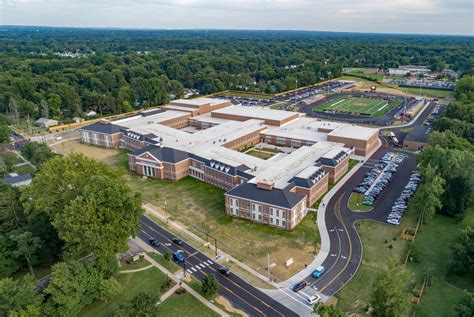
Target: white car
[
  {"x": 393, "y": 221},
  {"x": 313, "y": 299}
]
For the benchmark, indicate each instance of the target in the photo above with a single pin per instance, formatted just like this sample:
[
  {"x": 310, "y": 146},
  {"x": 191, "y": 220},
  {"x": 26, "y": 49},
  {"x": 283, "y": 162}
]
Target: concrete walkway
[
  {"x": 136, "y": 270},
  {"x": 156, "y": 212},
  {"x": 188, "y": 289},
  {"x": 168, "y": 293},
  {"x": 25, "y": 160}
]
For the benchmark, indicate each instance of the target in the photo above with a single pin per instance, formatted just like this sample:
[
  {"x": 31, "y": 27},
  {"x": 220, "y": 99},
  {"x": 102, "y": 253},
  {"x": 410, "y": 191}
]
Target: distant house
[
  {"x": 16, "y": 180},
  {"x": 77, "y": 120},
  {"x": 46, "y": 123},
  {"x": 91, "y": 113}
]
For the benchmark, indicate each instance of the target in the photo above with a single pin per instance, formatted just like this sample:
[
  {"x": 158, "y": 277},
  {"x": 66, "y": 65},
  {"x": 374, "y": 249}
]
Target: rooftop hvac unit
[
  {"x": 227, "y": 169},
  {"x": 313, "y": 180},
  {"x": 222, "y": 167},
  {"x": 212, "y": 164}
]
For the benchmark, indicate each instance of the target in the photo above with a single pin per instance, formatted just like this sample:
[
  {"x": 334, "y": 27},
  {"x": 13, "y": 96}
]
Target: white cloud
[{"x": 396, "y": 16}]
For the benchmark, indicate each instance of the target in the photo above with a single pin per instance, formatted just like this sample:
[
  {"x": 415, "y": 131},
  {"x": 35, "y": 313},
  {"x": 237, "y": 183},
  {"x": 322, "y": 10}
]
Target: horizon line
[{"x": 223, "y": 29}]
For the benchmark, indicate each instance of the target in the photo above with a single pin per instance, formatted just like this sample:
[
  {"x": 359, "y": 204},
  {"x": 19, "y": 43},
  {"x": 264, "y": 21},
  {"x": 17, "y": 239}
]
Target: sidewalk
[
  {"x": 168, "y": 293},
  {"x": 188, "y": 289},
  {"x": 323, "y": 231},
  {"x": 155, "y": 211}
]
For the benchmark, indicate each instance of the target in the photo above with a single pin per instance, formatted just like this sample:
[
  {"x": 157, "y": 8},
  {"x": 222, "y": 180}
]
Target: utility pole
[
  {"x": 268, "y": 267},
  {"x": 215, "y": 243}
]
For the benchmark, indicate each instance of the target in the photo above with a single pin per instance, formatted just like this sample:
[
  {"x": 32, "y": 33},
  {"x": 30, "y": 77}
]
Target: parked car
[{"x": 299, "y": 286}]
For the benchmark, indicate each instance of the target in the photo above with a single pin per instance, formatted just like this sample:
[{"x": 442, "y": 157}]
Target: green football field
[{"x": 362, "y": 106}]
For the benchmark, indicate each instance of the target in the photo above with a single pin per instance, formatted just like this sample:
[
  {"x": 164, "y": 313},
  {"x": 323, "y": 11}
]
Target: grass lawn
[
  {"x": 23, "y": 169},
  {"x": 201, "y": 210},
  {"x": 278, "y": 105},
  {"x": 148, "y": 281},
  {"x": 184, "y": 305},
  {"x": 355, "y": 203},
  {"x": 134, "y": 265},
  {"x": 169, "y": 265},
  {"x": 434, "y": 93},
  {"x": 369, "y": 107},
  {"x": 431, "y": 256},
  {"x": 200, "y": 207},
  {"x": 381, "y": 243},
  {"x": 12, "y": 157},
  {"x": 259, "y": 154},
  {"x": 360, "y": 73}
]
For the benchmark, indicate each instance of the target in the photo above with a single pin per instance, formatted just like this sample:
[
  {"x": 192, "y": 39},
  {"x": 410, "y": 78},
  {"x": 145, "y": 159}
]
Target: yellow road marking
[{"x": 338, "y": 216}]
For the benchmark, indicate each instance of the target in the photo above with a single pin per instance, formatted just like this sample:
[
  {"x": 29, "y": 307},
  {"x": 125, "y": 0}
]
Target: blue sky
[{"x": 386, "y": 16}]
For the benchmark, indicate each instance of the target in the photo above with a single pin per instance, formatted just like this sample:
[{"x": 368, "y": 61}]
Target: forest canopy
[{"x": 62, "y": 72}]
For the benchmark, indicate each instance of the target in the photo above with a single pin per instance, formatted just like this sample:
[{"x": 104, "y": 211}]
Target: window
[
  {"x": 277, "y": 222},
  {"x": 283, "y": 223},
  {"x": 271, "y": 220},
  {"x": 259, "y": 217},
  {"x": 271, "y": 211},
  {"x": 283, "y": 214},
  {"x": 149, "y": 171},
  {"x": 278, "y": 213}
]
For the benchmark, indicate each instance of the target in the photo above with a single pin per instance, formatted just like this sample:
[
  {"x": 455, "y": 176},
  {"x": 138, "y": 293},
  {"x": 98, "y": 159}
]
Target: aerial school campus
[{"x": 276, "y": 168}]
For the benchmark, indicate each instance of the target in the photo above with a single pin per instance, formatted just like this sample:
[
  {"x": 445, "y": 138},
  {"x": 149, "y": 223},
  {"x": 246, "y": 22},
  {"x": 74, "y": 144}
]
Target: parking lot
[{"x": 416, "y": 83}]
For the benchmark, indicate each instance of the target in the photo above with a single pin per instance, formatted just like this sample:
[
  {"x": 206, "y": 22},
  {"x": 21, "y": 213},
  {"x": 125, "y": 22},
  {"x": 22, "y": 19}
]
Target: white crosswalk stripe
[
  {"x": 206, "y": 264},
  {"x": 189, "y": 271},
  {"x": 201, "y": 265},
  {"x": 193, "y": 269},
  {"x": 210, "y": 262}
]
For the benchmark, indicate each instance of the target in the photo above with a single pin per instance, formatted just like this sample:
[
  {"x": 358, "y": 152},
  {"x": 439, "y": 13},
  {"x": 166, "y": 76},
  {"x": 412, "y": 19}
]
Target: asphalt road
[
  {"x": 345, "y": 252},
  {"x": 240, "y": 293}
]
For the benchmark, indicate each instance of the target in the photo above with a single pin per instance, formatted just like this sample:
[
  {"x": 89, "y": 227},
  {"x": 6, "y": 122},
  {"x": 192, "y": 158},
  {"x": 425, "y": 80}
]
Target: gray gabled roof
[
  {"x": 17, "y": 179},
  {"x": 418, "y": 134},
  {"x": 277, "y": 197},
  {"x": 164, "y": 154},
  {"x": 103, "y": 127}
]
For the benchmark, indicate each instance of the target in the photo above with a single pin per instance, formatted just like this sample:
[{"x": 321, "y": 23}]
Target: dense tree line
[
  {"x": 76, "y": 214},
  {"x": 448, "y": 173},
  {"x": 112, "y": 71}
]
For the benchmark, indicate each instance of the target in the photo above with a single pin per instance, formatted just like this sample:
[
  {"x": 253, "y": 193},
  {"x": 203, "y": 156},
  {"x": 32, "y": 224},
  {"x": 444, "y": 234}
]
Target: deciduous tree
[
  {"x": 462, "y": 251},
  {"x": 209, "y": 286}
]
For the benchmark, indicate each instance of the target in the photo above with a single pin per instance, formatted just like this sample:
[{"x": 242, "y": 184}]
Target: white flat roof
[
  {"x": 299, "y": 160},
  {"x": 256, "y": 112},
  {"x": 354, "y": 132},
  {"x": 208, "y": 118},
  {"x": 308, "y": 171},
  {"x": 198, "y": 101},
  {"x": 140, "y": 121}
]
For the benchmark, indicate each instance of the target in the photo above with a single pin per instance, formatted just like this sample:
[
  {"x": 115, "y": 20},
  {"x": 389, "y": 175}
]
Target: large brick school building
[{"x": 202, "y": 138}]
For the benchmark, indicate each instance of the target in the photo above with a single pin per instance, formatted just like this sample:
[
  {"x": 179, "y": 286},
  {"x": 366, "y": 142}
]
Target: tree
[
  {"x": 462, "y": 251},
  {"x": 4, "y": 134},
  {"x": 428, "y": 197},
  {"x": 388, "y": 297},
  {"x": 327, "y": 310},
  {"x": 26, "y": 247},
  {"x": 19, "y": 297},
  {"x": 141, "y": 305},
  {"x": 209, "y": 286},
  {"x": 37, "y": 153},
  {"x": 73, "y": 286},
  {"x": 465, "y": 306},
  {"x": 88, "y": 203}
]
